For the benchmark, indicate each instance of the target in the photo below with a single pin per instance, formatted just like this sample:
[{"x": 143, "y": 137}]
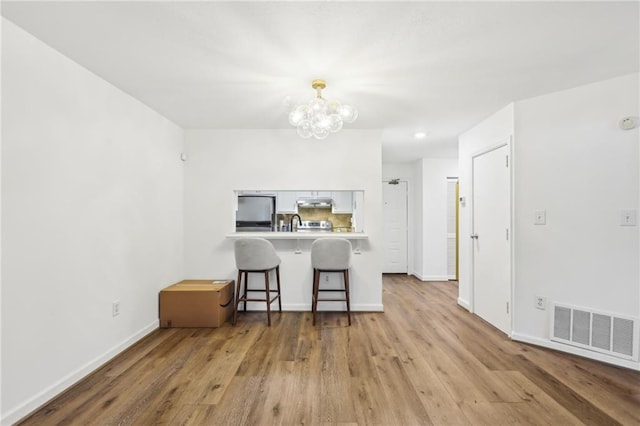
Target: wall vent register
[{"x": 596, "y": 331}]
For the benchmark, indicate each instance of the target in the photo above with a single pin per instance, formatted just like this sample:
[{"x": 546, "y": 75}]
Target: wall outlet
[
  {"x": 628, "y": 217},
  {"x": 540, "y": 217},
  {"x": 540, "y": 302},
  {"x": 115, "y": 308}
]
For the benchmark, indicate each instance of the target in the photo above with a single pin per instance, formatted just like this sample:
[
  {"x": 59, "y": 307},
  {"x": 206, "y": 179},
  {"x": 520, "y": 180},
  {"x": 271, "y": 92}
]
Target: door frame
[
  {"x": 456, "y": 180},
  {"x": 410, "y": 242},
  {"x": 508, "y": 142}
]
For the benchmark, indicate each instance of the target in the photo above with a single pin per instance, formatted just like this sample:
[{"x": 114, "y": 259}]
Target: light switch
[
  {"x": 627, "y": 217},
  {"x": 540, "y": 217}
]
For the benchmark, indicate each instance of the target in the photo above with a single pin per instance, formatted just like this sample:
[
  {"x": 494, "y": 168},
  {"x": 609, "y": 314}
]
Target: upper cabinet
[
  {"x": 342, "y": 201},
  {"x": 286, "y": 202},
  {"x": 264, "y": 193},
  {"x": 314, "y": 194}
]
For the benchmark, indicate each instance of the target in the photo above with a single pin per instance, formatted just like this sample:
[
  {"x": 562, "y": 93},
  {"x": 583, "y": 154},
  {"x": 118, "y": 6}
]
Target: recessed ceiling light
[{"x": 420, "y": 135}]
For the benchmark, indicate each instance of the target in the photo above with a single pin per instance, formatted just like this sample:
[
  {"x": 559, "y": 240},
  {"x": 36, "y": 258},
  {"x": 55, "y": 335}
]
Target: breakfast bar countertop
[{"x": 299, "y": 235}]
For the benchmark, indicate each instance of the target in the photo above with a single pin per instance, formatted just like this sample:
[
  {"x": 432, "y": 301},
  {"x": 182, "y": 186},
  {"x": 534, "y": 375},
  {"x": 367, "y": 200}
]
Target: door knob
[{"x": 474, "y": 236}]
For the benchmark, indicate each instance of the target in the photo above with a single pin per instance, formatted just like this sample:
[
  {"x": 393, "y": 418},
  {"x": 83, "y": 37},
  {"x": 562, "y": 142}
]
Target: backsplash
[{"x": 340, "y": 221}]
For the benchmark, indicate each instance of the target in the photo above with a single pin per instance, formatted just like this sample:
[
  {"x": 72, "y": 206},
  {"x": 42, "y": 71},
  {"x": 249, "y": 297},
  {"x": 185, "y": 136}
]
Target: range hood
[{"x": 317, "y": 203}]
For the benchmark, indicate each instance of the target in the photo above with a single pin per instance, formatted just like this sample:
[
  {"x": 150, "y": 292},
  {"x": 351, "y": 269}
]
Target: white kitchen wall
[
  {"x": 494, "y": 130},
  {"x": 91, "y": 213},
  {"x": 434, "y": 217},
  {"x": 574, "y": 162},
  {"x": 221, "y": 161}
]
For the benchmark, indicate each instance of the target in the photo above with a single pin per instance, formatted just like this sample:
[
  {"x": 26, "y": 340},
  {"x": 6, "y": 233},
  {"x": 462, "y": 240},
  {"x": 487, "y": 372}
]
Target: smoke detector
[{"x": 628, "y": 123}]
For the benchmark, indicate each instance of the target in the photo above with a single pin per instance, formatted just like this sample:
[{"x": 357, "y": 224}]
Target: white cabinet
[
  {"x": 314, "y": 194},
  {"x": 304, "y": 194},
  {"x": 342, "y": 201},
  {"x": 264, "y": 193},
  {"x": 357, "y": 218},
  {"x": 286, "y": 202}
]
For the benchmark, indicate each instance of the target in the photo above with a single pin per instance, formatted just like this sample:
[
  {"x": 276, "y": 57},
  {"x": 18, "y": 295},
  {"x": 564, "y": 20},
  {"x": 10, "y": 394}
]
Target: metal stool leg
[
  {"x": 314, "y": 302},
  {"x": 278, "y": 284},
  {"x": 268, "y": 297},
  {"x": 237, "y": 300},
  {"x": 346, "y": 290}
]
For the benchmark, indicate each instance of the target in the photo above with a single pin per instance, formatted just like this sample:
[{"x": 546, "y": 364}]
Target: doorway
[
  {"x": 394, "y": 220},
  {"x": 491, "y": 239}
]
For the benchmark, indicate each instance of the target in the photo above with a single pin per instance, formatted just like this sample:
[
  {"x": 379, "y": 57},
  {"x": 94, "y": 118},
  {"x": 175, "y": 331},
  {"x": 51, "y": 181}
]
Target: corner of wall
[{"x": 39, "y": 399}]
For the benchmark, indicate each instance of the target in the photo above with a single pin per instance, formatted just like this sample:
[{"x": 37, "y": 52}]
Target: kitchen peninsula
[
  {"x": 213, "y": 180},
  {"x": 308, "y": 211},
  {"x": 297, "y": 236},
  {"x": 300, "y": 215},
  {"x": 292, "y": 220}
]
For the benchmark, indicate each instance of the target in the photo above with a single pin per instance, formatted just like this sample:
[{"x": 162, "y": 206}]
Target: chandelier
[{"x": 320, "y": 117}]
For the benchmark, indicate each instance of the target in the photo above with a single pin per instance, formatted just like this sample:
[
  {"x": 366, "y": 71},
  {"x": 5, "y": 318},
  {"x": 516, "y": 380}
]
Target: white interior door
[
  {"x": 491, "y": 238},
  {"x": 394, "y": 219}
]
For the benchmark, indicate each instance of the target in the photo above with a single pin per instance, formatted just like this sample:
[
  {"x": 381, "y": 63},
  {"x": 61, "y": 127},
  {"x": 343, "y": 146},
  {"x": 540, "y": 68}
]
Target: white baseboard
[
  {"x": 436, "y": 278},
  {"x": 295, "y": 307},
  {"x": 519, "y": 337},
  {"x": 372, "y": 307},
  {"x": 306, "y": 307},
  {"x": 464, "y": 304},
  {"x": 430, "y": 277},
  {"x": 340, "y": 306},
  {"x": 54, "y": 390}
]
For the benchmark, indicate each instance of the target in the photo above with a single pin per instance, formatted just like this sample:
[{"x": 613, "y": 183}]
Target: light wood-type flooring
[{"x": 423, "y": 361}]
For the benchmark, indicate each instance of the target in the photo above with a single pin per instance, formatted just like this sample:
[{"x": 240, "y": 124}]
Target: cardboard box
[{"x": 196, "y": 303}]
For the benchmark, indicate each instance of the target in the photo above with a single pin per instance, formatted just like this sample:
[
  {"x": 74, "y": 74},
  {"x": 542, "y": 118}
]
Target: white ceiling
[{"x": 439, "y": 67}]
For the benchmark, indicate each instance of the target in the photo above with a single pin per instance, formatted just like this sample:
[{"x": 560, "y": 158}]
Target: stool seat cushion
[
  {"x": 331, "y": 254},
  {"x": 255, "y": 254}
]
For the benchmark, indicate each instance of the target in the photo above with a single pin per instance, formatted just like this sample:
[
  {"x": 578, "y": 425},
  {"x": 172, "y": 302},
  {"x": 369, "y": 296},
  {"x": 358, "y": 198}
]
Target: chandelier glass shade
[{"x": 319, "y": 117}]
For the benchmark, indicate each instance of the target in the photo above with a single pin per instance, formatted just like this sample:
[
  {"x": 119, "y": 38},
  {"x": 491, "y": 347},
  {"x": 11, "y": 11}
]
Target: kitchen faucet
[{"x": 291, "y": 221}]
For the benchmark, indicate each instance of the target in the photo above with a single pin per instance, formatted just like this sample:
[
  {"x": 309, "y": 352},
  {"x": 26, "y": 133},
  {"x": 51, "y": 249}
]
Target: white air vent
[{"x": 596, "y": 331}]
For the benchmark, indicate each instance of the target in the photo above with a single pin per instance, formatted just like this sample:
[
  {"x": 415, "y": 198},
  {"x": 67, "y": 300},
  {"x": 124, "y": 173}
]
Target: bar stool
[
  {"x": 330, "y": 255},
  {"x": 256, "y": 255}
]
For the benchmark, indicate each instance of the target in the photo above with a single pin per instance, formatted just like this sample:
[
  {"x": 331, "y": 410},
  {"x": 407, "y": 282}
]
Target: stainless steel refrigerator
[{"x": 256, "y": 213}]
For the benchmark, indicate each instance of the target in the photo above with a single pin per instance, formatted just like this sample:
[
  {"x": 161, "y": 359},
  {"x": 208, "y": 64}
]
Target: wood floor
[{"x": 424, "y": 361}]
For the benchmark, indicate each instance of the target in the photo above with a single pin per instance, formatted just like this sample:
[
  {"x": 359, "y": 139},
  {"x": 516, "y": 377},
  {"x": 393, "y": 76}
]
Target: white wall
[
  {"x": 573, "y": 161},
  {"x": 433, "y": 263},
  {"x": 1, "y": 25},
  {"x": 569, "y": 158},
  {"x": 221, "y": 161},
  {"x": 418, "y": 196},
  {"x": 91, "y": 213},
  {"x": 493, "y": 131},
  {"x": 405, "y": 172}
]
